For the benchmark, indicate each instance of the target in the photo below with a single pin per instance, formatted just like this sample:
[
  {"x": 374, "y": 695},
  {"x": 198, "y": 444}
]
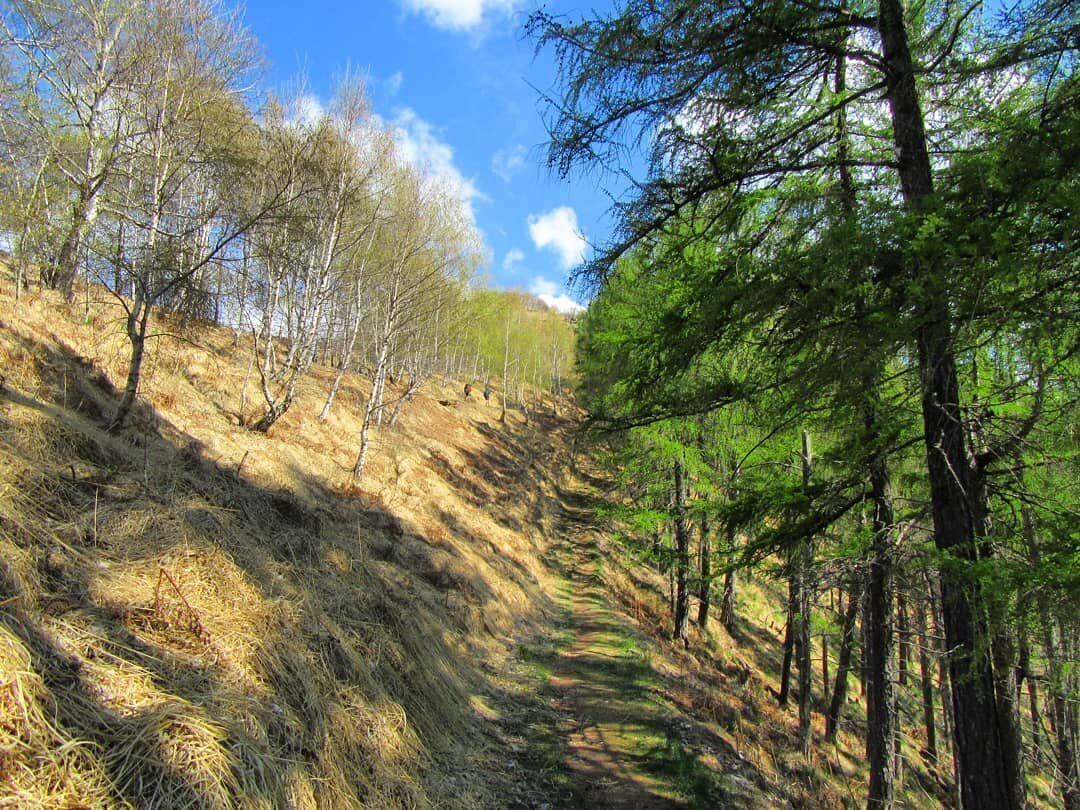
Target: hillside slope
[{"x": 197, "y": 615}]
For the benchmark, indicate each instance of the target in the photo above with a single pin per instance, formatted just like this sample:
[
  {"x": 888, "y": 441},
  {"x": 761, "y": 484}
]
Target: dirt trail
[
  {"x": 588, "y": 706},
  {"x": 612, "y": 723}
]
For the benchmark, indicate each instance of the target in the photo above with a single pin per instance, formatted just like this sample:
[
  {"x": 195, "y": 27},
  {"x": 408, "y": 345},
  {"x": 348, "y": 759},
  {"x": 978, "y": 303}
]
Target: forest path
[
  {"x": 588, "y": 708},
  {"x": 615, "y": 729}
]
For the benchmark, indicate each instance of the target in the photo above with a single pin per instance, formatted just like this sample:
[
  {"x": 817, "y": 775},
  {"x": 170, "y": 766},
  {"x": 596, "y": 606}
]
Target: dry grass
[{"x": 192, "y": 615}]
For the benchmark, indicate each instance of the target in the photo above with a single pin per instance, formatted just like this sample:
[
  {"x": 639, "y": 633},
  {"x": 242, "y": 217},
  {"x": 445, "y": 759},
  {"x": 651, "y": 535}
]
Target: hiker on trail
[
  {"x": 487, "y": 392},
  {"x": 468, "y": 390}
]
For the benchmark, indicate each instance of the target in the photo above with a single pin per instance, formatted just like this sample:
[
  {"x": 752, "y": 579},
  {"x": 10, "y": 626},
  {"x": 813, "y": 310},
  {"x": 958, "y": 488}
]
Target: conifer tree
[{"x": 736, "y": 106}]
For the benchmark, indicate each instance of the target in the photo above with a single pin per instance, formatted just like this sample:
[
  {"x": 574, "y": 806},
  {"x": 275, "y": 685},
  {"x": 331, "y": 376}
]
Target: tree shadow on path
[{"x": 625, "y": 742}]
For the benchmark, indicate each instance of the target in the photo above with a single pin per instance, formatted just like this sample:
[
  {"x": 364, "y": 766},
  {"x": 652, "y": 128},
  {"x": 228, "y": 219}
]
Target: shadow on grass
[
  {"x": 363, "y": 614},
  {"x": 701, "y": 786}
]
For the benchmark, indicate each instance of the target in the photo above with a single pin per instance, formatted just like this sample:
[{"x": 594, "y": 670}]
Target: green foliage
[
  {"x": 769, "y": 275},
  {"x": 520, "y": 333}
]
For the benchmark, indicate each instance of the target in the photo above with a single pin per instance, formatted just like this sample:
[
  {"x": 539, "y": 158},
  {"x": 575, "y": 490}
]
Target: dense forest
[{"x": 834, "y": 337}]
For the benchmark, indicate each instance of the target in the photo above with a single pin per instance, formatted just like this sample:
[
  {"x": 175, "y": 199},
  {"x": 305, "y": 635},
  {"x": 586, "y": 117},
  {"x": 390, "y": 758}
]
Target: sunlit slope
[{"x": 195, "y": 615}]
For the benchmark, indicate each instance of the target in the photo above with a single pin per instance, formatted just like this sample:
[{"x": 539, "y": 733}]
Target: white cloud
[
  {"x": 513, "y": 258},
  {"x": 558, "y": 230},
  {"x": 508, "y": 162},
  {"x": 543, "y": 286},
  {"x": 549, "y": 292},
  {"x": 459, "y": 15},
  {"x": 419, "y": 144},
  {"x": 394, "y": 82},
  {"x": 306, "y": 110}
]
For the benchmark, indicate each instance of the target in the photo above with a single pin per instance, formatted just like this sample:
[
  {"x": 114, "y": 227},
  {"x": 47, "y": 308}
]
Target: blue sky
[{"x": 458, "y": 81}]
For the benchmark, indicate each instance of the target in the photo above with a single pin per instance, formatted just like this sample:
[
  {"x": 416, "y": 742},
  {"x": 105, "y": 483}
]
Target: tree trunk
[
  {"x": 802, "y": 635},
  {"x": 506, "y": 364},
  {"x": 331, "y": 395},
  {"x": 66, "y": 267},
  {"x": 705, "y": 572},
  {"x": 789, "y": 639},
  {"x": 378, "y": 392},
  {"x": 658, "y": 549},
  {"x": 138, "y": 321},
  {"x": 864, "y": 629},
  {"x": 20, "y": 264},
  {"x": 843, "y": 664},
  {"x": 983, "y": 756},
  {"x": 242, "y": 293},
  {"x": 727, "y": 600},
  {"x": 1002, "y": 648},
  {"x": 858, "y": 593},
  {"x": 682, "y": 559},
  {"x": 369, "y": 413},
  {"x": 414, "y": 383},
  {"x": 1007, "y": 694},
  {"x": 825, "y": 697},
  {"x": 1024, "y": 673},
  {"x": 272, "y": 414},
  {"x": 354, "y": 319},
  {"x": 1065, "y": 721},
  {"x": 1062, "y": 708},
  {"x": 276, "y": 407},
  {"x": 944, "y": 686},
  {"x": 671, "y": 587},
  {"x": 903, "y": 641},
  {"x": 880, "y": 693},
  {"x": 926, "y": 682}
]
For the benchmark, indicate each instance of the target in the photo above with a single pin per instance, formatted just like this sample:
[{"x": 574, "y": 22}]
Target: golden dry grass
[{"x": 194, "y": 615}]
